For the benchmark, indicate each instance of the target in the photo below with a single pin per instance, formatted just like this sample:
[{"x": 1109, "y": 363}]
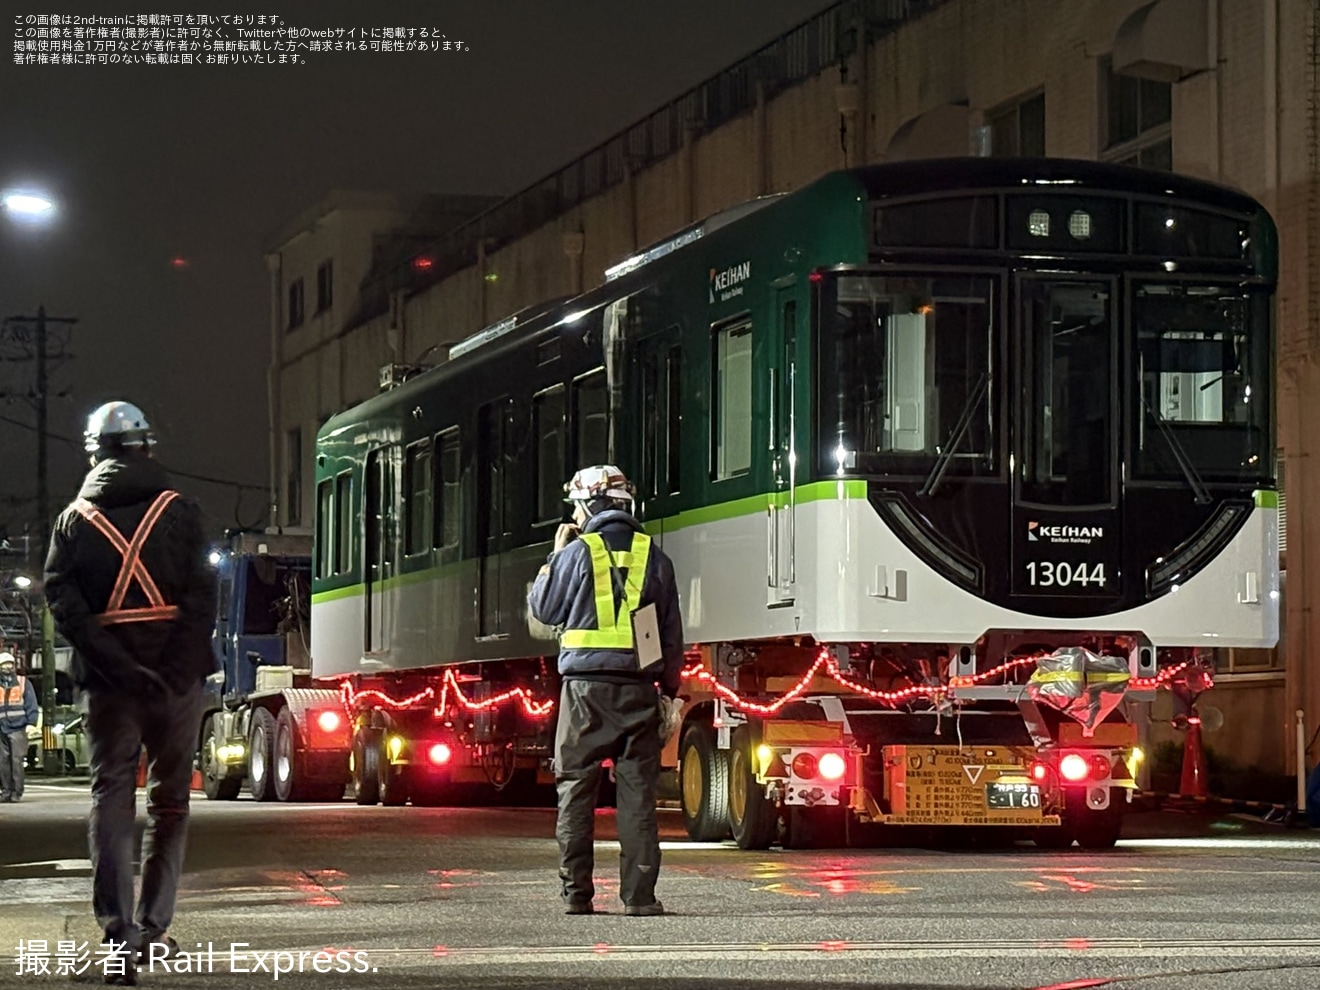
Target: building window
[
  {"x": 343, "y": 535},
  {"x": 548, "y": 409},
  {"x": 325, "y": 285},
  {"x": 417, "y": 486},
  {"x": 1018, "y": 129},
  {"x": 296, "y": 314},
  {"x": 1139, "y": 125},
  {"x": 447, "y": 516},
  {"x": 731, "y": 433},
  {"x": 293, "y": 477}
]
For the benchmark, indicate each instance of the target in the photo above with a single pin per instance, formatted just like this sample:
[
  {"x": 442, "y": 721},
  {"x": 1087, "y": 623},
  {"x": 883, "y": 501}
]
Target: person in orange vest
[
  {"x": 131, "y": 589},
  {"x": 18, "y": 710}
]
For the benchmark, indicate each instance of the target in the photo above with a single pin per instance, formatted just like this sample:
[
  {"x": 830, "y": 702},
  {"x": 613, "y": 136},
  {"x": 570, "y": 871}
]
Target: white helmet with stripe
[
  {"x": 600, "y": 481},
  {"x": 117, "y": 424}
]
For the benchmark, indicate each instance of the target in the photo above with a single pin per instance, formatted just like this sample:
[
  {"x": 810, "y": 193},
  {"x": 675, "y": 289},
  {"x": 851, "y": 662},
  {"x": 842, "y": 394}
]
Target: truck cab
[{"x": 261, "y": 617}]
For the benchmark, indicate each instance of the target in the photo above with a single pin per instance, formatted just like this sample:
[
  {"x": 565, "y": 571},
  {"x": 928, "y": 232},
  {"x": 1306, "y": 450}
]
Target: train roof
[
  {"x": 891, "y": 180},
  {"x": 915, "y": 178}
]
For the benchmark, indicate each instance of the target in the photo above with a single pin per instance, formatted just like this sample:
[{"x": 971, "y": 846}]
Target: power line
[{"x": 181, "y": 474}]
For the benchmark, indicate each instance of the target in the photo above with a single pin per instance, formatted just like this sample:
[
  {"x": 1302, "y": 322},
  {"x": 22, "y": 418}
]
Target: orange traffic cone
[{"x": 1193, "y": 769}]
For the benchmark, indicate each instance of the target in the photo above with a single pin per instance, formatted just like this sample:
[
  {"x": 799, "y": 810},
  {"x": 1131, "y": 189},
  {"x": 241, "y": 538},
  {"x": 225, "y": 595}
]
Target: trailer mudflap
[{"x": 948, "y": 785}]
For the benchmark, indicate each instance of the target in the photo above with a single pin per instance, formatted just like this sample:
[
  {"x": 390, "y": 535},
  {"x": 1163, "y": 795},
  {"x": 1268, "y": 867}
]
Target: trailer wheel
[
  {"x": 704, "y": 779},
  {"x": 392, "y": 783},
  {"x": 753, "y": 818},
  {"x": 261, "y": 748},
  {"x": 821, "y": 827},
  {"x": 217, "y": 782},
  {"x": 1101, "y": 829},
  {"x": 366, "y": 766}
]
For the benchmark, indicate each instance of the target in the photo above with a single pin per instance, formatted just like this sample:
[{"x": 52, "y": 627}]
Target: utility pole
[{"x": 53, "y": 760}]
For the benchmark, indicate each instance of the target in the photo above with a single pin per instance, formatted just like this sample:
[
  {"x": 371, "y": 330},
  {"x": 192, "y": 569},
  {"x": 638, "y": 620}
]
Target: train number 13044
[{"x": 1061, "y": 574}]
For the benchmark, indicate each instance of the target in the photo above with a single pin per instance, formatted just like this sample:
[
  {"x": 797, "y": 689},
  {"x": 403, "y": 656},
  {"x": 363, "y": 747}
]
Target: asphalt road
[{"x": 468, "y": 897}]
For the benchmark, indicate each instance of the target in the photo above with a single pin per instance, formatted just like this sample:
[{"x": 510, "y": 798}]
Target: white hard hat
[
  {"x": 117, "y": 423},
  {"x": 7, "y": 658},
  {"x": 599, "y": 481}
]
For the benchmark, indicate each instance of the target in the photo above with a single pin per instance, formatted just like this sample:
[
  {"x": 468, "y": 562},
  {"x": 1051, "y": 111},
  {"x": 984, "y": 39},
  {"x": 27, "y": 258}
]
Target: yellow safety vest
[{"x": 613, "y": 628}]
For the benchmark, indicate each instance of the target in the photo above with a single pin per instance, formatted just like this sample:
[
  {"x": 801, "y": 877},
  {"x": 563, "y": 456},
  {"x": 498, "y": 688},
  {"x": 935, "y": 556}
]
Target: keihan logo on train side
[
  {"x": 1063, "y": 534},
  {"x": 725, "y": 285}
]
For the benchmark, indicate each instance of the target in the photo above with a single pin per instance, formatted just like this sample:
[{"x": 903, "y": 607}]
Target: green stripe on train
[{"x": 816, "y": 491}]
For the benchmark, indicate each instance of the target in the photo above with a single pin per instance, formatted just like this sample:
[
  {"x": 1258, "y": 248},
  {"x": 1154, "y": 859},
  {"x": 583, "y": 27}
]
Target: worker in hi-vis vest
[
  {"x": 131, "y": 589},
  {"x": 18, "y": 710},
  {"x": 612, "y": 593}
]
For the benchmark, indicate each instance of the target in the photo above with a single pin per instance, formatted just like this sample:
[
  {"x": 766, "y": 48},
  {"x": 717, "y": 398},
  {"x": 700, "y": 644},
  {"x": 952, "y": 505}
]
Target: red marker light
[
  {"x": 1074, "y": 768},
  {"x": 178, "y": 262},
  {"x": 440, "y": 753},
  {"x": 328, "y": 721},
  {"x": 1039, "y": 771},
  {"x": 832, "y": 766},
  {"x": 804, "y": 765},
  {"x": 422, "y": 264}
]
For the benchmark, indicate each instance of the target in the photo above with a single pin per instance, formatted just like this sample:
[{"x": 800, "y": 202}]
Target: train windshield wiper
[
  {"x": 956, "y": 436},
  {"x": 1199, "y": 492}
]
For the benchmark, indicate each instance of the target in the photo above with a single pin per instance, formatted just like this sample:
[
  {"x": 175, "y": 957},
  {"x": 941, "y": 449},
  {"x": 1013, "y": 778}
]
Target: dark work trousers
[
  {"x": 13, "y": 752},
  {"x": 619, "y": 722},
  {"x": 118, "y": 726}
]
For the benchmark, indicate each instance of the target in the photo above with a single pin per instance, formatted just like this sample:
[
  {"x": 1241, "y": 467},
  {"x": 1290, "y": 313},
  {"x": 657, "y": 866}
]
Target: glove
[{"x": 671, "y": 717}]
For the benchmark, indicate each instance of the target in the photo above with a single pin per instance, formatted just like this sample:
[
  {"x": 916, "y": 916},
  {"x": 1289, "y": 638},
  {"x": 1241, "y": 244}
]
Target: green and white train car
[{"x": 903, "y": 432}]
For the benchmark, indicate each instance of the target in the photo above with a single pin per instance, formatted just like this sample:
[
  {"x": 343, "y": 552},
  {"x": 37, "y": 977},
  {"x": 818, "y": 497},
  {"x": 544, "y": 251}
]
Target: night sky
[{"x": 206, "y": 163}]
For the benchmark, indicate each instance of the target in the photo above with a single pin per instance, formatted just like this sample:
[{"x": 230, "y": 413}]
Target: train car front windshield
[{"x": 1087, "y": 340}]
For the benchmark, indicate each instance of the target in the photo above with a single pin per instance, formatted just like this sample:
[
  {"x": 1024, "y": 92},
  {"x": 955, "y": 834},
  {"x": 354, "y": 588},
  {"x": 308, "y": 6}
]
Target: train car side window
[
  {"x": 343, "y": 522},
  {"x": 548, "y": 421},
  {"x": 731, "y": 387},
  {"x": 591, "y": 421},
  {"x": 417, "y": 486},
  {"x": 325, "y": 492},
  {"x": 650, "y": 424},
  {"x": 447, "y": 486},
  {"x": 673, "y": 407}
]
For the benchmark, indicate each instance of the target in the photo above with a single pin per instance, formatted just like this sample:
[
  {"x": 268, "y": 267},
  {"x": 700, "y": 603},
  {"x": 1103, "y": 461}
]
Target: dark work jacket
[
  {"x": 82, "y": 567},
  {"x": 564, "y": 594}
]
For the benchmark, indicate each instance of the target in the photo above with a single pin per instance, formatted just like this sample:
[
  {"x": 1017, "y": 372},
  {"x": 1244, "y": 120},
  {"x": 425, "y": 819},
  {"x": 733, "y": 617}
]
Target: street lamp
[{"x": 28, "y": 206}]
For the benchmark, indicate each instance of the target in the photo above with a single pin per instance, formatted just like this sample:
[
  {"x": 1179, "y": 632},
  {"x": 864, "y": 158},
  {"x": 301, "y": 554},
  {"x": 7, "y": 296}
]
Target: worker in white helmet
[
  {"x": 613, "y": 594},
  {"x": 18, "y": 710},
  {"x": 130, "y": 588}
]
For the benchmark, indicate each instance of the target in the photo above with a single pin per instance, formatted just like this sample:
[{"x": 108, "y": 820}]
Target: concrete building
[
  {"x": 323, "y": 265},
  {"x": 1222, "y": 89}
]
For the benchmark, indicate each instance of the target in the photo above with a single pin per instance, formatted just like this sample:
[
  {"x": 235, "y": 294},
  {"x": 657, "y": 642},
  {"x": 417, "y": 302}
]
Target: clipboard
[{"x": 646, "y": 636}]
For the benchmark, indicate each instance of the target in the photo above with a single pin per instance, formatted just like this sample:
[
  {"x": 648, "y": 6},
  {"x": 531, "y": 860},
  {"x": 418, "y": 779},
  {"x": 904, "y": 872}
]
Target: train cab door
[
  {"x": 381, "y": 543},
  {"x": 494, "y": 447},
  {"x": 659, "y": 366},
  {"x": 1066, "y": 510},
  {"x": 781, "y": 443}
]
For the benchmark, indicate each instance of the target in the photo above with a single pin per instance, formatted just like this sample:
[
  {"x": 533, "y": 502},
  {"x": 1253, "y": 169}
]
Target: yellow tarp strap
[{"x": 613, "y": 628}]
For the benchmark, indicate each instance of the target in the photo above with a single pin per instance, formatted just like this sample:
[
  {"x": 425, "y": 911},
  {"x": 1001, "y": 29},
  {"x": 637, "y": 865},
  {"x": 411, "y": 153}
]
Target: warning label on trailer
[{"x": 945, "y": 785}]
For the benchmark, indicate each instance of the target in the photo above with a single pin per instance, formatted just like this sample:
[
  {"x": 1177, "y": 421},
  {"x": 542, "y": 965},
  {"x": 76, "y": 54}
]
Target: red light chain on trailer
[
  {"x": 534, "y": 708},
  {"x": 831, "y": 668},
  {"x": 825, "y": 661}
]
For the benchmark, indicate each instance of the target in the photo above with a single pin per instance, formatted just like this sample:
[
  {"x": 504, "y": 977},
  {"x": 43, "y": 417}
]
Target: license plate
[{"x": 1012, "y": 796}]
